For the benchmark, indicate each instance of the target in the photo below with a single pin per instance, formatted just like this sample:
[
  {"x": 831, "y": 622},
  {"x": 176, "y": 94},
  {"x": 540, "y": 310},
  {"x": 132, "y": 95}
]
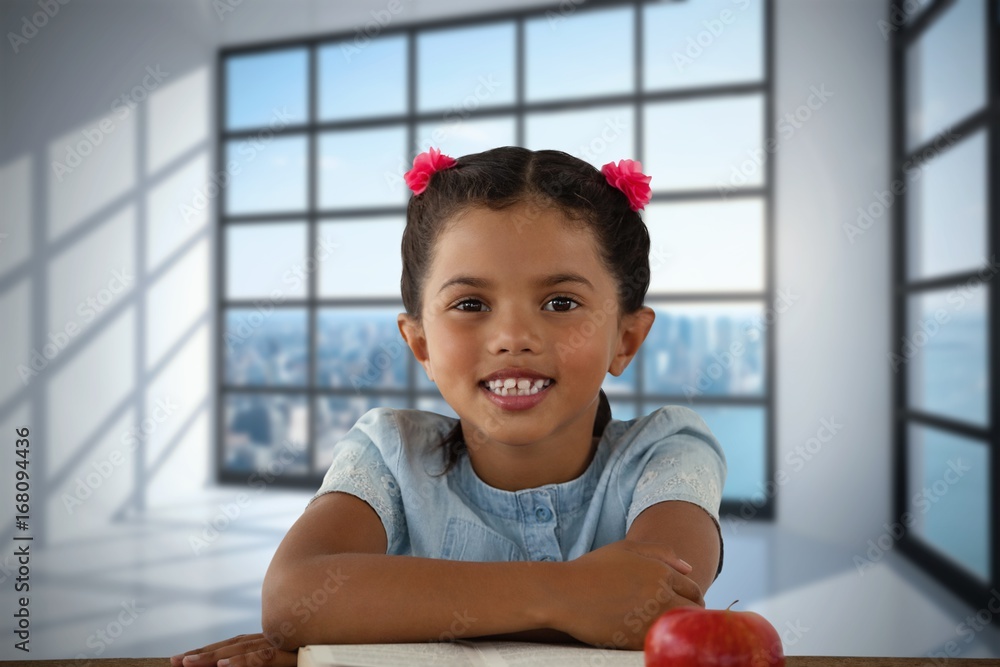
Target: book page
[
  {"x": 532, "y": 654},
  {"x": 423, "y": 654},
  {"x": 465, "y": 653}
]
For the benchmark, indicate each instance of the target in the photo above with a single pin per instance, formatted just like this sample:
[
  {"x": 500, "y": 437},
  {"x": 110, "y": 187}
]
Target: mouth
[{"x": 516, "y": 387}]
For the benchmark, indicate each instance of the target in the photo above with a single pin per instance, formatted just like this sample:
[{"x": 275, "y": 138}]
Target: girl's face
[{"x": 522, "y": 288}]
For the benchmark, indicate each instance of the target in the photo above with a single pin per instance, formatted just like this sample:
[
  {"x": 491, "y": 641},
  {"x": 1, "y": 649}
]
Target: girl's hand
[
  {"x": 613, "y": 594},
  {"x": 240, "y": 651}
]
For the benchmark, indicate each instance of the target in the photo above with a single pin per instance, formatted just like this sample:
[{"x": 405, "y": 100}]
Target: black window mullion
[
  {"x": 519, "y": 57},
  {"x": 412, "y": 367},
  {"x": 993, "y": 250},
  {"x": 221, "y": 99},
  {"x": 900, "y": 453},
  {"x": 638, "y": 114},
  {"x": 770, "y": 249},
  {"x": 312, "y": 237}
]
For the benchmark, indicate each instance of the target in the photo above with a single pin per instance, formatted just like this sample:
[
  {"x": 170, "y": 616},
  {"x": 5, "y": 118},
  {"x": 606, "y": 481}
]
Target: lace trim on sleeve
[{"x": 369, "y": 479}]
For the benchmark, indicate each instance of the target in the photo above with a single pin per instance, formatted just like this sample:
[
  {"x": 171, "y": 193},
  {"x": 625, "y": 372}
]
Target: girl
[{"x": 535, "y": 516}]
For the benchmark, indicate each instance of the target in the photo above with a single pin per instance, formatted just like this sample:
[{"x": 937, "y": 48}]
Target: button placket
[{"x": 543, "y": 542}]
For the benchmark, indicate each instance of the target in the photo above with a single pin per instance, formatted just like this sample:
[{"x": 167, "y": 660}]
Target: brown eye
[
  {"x": 564, "y": 300},
  {"x": 458, "y": 306}
]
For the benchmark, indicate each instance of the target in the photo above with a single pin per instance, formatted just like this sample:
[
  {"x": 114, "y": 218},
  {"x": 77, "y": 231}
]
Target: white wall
[
  {"x": 98, "y": 262},
  {"x": 154, "y": 342},
  {"x": 832, "y": 342}
]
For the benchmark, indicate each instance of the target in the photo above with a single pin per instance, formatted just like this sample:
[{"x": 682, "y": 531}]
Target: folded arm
[
  {"x": 330, "y": 582},
  {"x": 687, "y": 529}
]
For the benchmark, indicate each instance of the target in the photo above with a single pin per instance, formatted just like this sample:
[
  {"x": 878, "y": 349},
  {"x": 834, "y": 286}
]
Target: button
[
  {"x": 543, "y": 513},
  {"x": 547, "y": 558}
]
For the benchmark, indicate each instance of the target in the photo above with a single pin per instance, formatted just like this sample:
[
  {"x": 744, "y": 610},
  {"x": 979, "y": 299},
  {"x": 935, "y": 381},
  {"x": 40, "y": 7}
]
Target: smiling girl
[{"x": 535, "y": 515}]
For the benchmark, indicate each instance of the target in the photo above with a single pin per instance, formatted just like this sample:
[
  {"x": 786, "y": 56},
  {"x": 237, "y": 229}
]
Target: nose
[{"x": 515, "y": 330}]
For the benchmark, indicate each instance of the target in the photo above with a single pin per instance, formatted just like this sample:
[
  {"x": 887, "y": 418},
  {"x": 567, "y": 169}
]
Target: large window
[
  {"x": 945, "y": 343},
  {"x": 316, "y": 135}
]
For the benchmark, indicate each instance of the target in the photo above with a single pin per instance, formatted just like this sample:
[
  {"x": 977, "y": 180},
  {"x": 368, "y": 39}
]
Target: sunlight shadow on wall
[
  {"x": 15, "y": 188},
  {"x": 89, "y": 169},
  {"x": 88, "y": 280},
  {"x": 178, "y": 118}
]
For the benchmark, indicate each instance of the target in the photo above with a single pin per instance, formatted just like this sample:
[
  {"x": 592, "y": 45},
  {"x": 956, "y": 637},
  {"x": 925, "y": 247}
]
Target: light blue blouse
[{"x": 389, "y": 456}]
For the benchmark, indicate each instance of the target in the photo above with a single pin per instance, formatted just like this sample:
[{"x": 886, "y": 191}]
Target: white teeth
[{"x": 517, "y": 386}]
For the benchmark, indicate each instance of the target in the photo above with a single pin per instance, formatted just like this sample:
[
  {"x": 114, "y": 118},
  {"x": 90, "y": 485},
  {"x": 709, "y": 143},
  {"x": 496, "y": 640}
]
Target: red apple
[{"x": 696, "y": 637}]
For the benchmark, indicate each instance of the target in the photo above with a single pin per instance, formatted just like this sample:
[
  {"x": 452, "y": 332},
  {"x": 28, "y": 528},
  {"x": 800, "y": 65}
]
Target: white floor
[{"x": 141, "y": 590}]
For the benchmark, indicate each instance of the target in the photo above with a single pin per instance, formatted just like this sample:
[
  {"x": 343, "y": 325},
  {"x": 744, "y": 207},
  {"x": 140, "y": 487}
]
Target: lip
[{"x": 517, "y": 402}]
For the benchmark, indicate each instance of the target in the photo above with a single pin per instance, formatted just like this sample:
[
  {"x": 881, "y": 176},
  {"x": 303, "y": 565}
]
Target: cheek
[
  {"x": 585, "y": 349},
  {"x": 453, "y": 348}
]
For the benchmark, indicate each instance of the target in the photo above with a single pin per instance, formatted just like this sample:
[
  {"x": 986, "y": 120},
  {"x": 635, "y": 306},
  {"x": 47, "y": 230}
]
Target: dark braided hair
[{"x": 503, "y": 177}]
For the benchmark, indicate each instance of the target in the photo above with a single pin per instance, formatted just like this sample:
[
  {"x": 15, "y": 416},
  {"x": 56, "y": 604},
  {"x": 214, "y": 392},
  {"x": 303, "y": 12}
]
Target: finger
[
  {"x": 684, "y": 602},
  {"x": 688, "y": 589},
  {"x": 215, "y": 652},
  {"x": 661, "y": 553},
  {"x": 265, "y": 657},
  {"x": 678, "y": 564},
  {"x": 177, "y": 660}
]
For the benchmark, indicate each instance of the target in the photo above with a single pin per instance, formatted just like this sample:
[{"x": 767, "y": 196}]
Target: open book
[{"x": 465, "y": 653}]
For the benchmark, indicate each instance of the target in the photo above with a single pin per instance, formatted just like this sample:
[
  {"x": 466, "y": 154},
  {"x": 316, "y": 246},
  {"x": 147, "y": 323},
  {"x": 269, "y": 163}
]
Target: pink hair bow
[
  {"x": 424, "y": 166},
  {"x": 627, "y": 176}
]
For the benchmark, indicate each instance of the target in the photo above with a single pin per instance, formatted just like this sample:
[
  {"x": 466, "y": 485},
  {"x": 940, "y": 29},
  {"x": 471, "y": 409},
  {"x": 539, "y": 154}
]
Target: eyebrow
[{"x": 546, "y": 281}]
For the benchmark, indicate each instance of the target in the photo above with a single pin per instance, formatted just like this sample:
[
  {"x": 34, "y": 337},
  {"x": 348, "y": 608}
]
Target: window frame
[
  {"x": 519, "y": 110},
  {"x": 985, "y": 119}
]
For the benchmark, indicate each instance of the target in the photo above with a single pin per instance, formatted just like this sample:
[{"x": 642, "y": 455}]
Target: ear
[
  {"x": 413, "y": 334},
  {"x": 634, "y": 329}
]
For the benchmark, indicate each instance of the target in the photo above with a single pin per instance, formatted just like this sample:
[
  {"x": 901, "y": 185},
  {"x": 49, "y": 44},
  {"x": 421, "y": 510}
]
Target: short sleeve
[
  {"x": 687, "y": 465},
  {"x": 359, "y": 469}
]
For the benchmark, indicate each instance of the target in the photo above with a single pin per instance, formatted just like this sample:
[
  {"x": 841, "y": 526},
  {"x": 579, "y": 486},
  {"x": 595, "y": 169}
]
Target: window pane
[
  {"x": 264, "y": 87},
  {"x": 360, "y": 258},
  {"x": 362, "y": 81},
  {"x": 945, "y": 352},
  {"x": 716, "y": 143},
  {"x": 947, "y": 212},
  {"x": 741, "y": 432},
  {"x": 622, "y": 410},
  {"x": 361, "y": 348},
  {"x": 599, "y": 136},
  {"x": 461, "y": 70},
  {"x": 945, "y": 76},
  {"x": 335, "y": 415},
  {"x": 436, "y": 404},
  {"x": 362, "y": 168},
  {"x": 423, "y": 383},
  {"x": 579, "y": 54},
  {"x": 261, "y": 260},
  {"x": 268, "y": 175},
  {"x": 703, "y": 43},
  {"x": 457, "y": 137},
  {"x": 684, "y": 236},
  {"x": 265, "y": 429},
  {"x": 266, "y": 347},
  {"x": 948, "y": 488},
  {"x": 706, "y": 350},
  {"x": 626, "y": 383}
]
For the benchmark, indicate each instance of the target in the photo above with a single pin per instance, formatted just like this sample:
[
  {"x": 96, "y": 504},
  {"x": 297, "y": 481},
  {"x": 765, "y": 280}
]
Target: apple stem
[{"x": 731, "y": 605}]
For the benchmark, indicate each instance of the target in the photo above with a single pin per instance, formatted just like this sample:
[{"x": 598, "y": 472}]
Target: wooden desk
[{"x": 790, "y": 661}]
